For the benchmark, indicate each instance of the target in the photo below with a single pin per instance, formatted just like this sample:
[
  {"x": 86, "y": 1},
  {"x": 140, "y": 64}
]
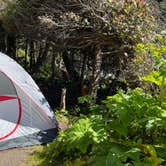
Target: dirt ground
[
  {"x": 15, "y": 157},
  {"x": 20, "y": 156}
]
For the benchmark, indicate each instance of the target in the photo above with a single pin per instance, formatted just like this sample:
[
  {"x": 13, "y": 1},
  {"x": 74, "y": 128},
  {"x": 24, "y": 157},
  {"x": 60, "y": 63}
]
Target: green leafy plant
[
  {"x": 157, "y": 50},
  {"x": 76, "y": 142},
  {"x": 128, "y": 130}
]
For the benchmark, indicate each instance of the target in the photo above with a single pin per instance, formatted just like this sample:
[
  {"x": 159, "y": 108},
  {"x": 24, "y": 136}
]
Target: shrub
[{"x": 128, "y": 130}]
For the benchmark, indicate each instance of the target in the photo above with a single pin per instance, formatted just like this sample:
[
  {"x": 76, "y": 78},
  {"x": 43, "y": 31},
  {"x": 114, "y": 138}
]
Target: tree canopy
[
  {"x": 80, "y": 23},
  {"x": 107, "y": 60}
]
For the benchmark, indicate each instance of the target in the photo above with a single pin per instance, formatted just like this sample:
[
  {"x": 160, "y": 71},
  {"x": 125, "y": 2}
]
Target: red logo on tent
[{"x": 14, "y": 128}]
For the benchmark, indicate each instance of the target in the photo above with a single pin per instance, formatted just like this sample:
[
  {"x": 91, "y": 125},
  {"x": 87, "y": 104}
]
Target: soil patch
[
  {"x": 15, "y": 157},
  {"x": 20, "y": 156}
]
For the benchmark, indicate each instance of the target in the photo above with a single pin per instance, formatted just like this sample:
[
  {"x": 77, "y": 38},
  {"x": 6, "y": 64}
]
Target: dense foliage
[
  {"x": 98, "y": 48},
  {"x": 93, "y": 38},
  {"x": 127, "y": 129},
  {"x": 81, "y": 23}
]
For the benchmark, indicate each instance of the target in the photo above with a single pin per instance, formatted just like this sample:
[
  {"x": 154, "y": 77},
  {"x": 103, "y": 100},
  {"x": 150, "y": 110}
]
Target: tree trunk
[
  {"x": 63, "y": 99},
  {"x": 75, "y": 89},
  {"x": 83, "y": 68},
  {"x": 83, "y": 89},
  {"x": 2, "y": 39},
  {"x": 53, "y": 65},
  {"x": 69, "y": 66},
  {"x": 41, "y": 59},
  {"x": 31, "y": 55},
  {"x": 96, "y": 72},
  {"x": 11, "y": 45},
  {"x": 26, "y": 54}
]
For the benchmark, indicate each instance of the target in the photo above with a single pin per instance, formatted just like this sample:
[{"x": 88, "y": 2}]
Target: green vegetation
[
  {"x": 163, "y": 4},
  {"x": 128, "y": 130},
  {"x": 109, "y": 57}
]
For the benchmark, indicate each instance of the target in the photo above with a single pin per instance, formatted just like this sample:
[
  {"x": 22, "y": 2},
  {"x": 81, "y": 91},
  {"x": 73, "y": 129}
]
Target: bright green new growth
[
  {"x": 128, "y": 130},
  {"x": 157, "y": 50}
]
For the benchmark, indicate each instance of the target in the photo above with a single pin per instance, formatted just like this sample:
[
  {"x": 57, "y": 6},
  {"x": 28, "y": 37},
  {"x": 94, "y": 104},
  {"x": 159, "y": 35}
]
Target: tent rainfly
[{"x": 25, "y": 115}]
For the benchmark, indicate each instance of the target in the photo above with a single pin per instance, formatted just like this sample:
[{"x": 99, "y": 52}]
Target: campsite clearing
[
  {"x": 20, "y": 156},
  {"x": 15, "y": 157}
]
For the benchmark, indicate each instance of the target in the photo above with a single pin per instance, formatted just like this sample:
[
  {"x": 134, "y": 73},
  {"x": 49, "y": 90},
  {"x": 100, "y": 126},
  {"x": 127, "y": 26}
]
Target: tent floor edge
[{"x": 39, "y": 138}]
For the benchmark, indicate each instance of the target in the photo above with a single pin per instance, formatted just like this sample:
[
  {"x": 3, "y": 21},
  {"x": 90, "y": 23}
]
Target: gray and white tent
[{"x": 25, "y": 115}]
